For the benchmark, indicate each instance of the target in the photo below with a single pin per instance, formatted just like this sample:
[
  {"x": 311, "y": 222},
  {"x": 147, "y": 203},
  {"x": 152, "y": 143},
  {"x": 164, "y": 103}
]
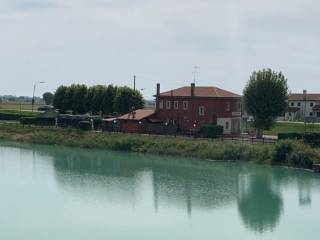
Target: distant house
[
  {"x": 135, "y": 121},
  {"x": 185, "y": 109},
  {"x": 303, "y": 105},
  {"x": 190, "y": 107}
]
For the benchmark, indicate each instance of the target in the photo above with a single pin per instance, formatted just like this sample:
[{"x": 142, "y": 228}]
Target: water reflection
[
  {"x": 163, "y": 182},
  {"x": 259, "y": 202}
]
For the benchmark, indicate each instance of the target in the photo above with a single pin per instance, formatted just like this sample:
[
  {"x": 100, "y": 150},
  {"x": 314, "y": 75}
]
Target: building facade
[
  {"x": 190, "y": 107},
  {"x": 302, "y": 106}
]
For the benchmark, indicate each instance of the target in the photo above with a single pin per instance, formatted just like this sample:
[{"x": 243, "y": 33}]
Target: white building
[{"x": 303, "y": 105}]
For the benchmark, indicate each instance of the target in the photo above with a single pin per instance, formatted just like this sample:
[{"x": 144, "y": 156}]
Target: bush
[
  {"x": 281, "y": 151},
  {"x": 13, "y": 115},
  {"x": 85, "y": 125},
  {"x": 312, "y": 139},
  {"x": 38, "y": 121},
  {"x": 210, "y": 131},
  {"x": 28, "y": 120},
  {"x": 292, "y": 136}
]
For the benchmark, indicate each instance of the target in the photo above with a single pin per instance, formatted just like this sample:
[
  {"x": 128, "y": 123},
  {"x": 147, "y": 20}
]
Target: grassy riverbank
[{"x": 288, "y": 153}]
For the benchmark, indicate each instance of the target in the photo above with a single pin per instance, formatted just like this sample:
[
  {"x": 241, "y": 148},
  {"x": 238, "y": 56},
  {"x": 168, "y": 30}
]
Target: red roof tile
[
  {"x": 213, "y": 92},
  {"x": 299, "y": 97},
  {"x": 138, "y": 115}
]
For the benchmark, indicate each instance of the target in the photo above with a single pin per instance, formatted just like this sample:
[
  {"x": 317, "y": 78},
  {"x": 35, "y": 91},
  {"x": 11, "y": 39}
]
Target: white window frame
[
  {"x": 201, "y": 111},
  {"x": 161, "y": 104},
  {"x": 176, "y": 105},
  {"x": 168, "y": 104},
  {"x": 185, "y": 105}
]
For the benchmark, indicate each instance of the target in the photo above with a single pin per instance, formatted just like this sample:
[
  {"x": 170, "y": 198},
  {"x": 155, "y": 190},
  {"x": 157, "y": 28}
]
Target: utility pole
[
  {"x": 305, "y": 110},
  {"x": 34, "y": 90},
  {"x": 134, "y": 82}
]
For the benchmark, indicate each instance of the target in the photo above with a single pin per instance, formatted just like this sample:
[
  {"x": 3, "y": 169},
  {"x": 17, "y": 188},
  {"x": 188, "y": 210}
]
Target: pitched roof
[
  {"x": 138, "y": 115},
  {"x": 213, "y": 92},
  {"x": 300, "y": 97}
]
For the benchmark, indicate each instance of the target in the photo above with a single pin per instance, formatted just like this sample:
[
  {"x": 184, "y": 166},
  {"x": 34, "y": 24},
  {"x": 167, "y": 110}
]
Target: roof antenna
[{"x": 195, "y": 74}]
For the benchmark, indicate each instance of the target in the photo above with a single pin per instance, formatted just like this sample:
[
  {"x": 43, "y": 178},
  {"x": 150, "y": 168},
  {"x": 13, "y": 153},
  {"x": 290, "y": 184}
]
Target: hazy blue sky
[{"x": 108, "y": 41}]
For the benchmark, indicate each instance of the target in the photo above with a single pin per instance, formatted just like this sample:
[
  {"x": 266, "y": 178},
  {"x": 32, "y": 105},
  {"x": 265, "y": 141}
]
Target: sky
[{"x": 109, "y": 41}]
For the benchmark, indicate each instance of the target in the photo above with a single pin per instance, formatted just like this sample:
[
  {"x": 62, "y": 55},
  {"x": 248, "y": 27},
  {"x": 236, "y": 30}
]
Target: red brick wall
[
  {"x": 132, "y": 126},
  {"x": 214, "y": 108}
]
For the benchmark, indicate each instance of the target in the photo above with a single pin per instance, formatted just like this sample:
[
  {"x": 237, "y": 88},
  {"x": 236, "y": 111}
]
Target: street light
[
  {"x": 305, "y": 110},
  {"x": 34, "y": 90}
]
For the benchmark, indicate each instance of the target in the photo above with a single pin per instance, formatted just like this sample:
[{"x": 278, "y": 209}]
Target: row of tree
[{"x": 99, "y": 99}]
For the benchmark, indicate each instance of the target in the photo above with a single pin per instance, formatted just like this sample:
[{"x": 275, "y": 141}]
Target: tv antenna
[{"x": 195, "y": 72}]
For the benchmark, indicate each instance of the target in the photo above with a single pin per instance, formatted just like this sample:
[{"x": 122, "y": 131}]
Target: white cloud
[{"x": 160, "y": 41}]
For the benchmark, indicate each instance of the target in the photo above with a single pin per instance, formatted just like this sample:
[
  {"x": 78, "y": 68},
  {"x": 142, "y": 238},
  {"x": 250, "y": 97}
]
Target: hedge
[
  {"x": 312, "y": 139},
  {"x": 38, "y": 121},
  {"x": 85, "y": 125},
  {"x": 210, "y": 131},
  {"x": 13, "y": 115},
  {"x": 291, "y": 135}
]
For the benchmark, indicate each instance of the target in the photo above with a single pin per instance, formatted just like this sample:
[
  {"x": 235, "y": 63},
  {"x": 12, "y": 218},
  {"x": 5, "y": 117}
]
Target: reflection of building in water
[
  {"x": 259, "y": 202},
  {"x": 122, "y": 178},
  {"x": 179, "y": 183}
]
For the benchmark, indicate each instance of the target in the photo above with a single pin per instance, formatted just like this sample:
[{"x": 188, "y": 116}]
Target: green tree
[
  {"x": 95, "y": 98},
  {"x": 48, "y": 98},
  {"x": 127, "y": 99},
  {"x": 265, "y": 98},
  {"x": 78, "y": 96},
  {"x": 107, "y": 105},
  {"x": 59, "y": 99}
]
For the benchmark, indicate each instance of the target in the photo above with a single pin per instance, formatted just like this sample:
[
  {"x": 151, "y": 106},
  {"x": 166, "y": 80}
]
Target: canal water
[{"x": 50, "y": 192}]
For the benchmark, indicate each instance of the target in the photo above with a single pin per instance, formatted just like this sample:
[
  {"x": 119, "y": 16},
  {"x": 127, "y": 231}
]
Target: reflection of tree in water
[{"x": 259, "y": 204}]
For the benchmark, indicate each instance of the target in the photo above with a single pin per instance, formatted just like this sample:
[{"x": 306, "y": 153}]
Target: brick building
[{"x": 190, "y": 107}]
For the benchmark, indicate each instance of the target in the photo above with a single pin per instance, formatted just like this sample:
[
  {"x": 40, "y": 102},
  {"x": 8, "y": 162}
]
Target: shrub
[
  {"x": 281, "y": 151},
  {"x": 85, "y": 125},
  {"x": 312, "y": 139},
  {"x": 292, "y": 136},
  {"x": 28, "y": 120},
  {"x": 38, "y": 121},
  {"x": 210, "y": 131},
  {"x": 13, "y": 115}
]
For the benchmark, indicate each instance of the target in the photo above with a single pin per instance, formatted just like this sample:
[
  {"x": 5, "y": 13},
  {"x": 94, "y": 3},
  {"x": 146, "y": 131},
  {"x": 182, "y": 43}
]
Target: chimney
[
  {"x": 193, "y": 86},
  {"x": 158, "y": 89}
]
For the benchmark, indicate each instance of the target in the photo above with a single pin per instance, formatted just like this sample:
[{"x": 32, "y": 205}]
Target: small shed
[{"x": 135, "y": 121}]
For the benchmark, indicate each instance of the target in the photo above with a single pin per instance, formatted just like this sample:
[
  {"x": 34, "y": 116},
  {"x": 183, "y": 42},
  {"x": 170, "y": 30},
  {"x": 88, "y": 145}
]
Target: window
[
  {"x": 185, "y": 105},
  {"x": 311, "y": 104},
  {"x": 292, "y": 104},
  {"x": 168, "y": 104},
  {"x": 176, "y": 105},
  {"x": 299, "y": 104},
  {"x": 318, "y": 114},
  {"x": 227, "y": 106},
  {"x": 227, "y": 125},
  {"x": 311, "y": 114},
  {"x": 161, "y": 104},
  {"x": 201, "y": 110}
]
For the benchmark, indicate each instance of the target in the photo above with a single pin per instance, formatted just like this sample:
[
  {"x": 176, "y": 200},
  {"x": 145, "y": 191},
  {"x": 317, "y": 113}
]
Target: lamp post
[
  {"x": 305, "y": 110},
  {"x": 34, "y": 90}
]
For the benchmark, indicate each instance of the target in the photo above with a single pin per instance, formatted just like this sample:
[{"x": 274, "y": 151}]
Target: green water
[{"x": 49, "y": 192}]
